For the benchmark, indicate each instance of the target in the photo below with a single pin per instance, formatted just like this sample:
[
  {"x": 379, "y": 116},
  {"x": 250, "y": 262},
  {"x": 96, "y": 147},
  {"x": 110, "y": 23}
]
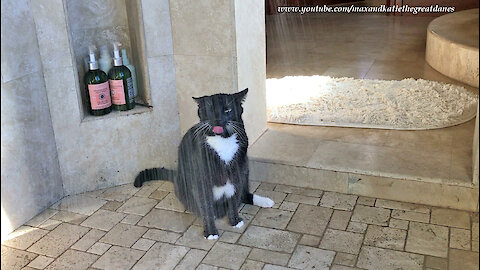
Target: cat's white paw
[
  {"x": 262, "y": 201},
  {"x": 239, "y": 225},
  {"x": 212, "y": 237}
]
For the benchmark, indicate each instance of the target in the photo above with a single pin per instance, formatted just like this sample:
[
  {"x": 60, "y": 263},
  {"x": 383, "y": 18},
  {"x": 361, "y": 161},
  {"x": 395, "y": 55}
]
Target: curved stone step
[{"x": 452, "y": 46}]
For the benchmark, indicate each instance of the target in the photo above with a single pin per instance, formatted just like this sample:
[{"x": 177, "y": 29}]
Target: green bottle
[
  {"x": 97, "y": 88},
  {"x": 121, "y": 83}
]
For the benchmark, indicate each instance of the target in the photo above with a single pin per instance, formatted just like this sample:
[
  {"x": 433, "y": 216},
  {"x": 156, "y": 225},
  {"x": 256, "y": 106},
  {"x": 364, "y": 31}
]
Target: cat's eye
[{"x": 228, "y": 110}]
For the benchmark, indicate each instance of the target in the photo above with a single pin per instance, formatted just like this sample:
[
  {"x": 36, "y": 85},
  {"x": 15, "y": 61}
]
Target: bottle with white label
[
  {"x": 97, "y": 87},
  {"x": 127, "y": 63},
  {"x": 121, "y": 83}
]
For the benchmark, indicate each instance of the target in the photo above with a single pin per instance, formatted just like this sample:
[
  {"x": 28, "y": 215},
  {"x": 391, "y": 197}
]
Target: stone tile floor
[{"x": 129, "y": 228}]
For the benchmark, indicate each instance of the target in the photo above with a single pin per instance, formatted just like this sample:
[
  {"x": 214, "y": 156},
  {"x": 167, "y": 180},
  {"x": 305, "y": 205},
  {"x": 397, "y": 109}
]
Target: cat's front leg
[
  {"x": 232, "y": 213},
  {"x": 210, "y": 231}
]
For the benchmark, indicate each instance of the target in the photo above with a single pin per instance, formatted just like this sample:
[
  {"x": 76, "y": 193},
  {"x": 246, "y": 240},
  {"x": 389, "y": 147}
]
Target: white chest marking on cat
[
  {"x": 228, "y": 190},
  {"x": 226, "y": 148}
]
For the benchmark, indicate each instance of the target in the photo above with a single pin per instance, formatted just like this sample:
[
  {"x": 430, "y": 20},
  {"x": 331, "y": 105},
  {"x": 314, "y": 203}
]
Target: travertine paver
[
  {"x": 366, "y": 201},
  {"x": 273, "y": 218},
  {"x": 49, "y": 224},
  {"x": 310, "y": 219},
  {"x": 250, "y": 209},
  {"x": 449, "y": 217},
  {"x": 103, "y": 220},
  {"x": 72, "y": 260},
  {"x": 40, "y": 262},
  {"x": 119, "y": 193},
  {"x": 227, "y": 255},
  {"x": 167, "y": 220},
  {"x": 191, "y": 260},
  {"x": 266, "y": 186},
  {"x": 24, "y": 237},
  {"x": 252, "y": 265},
  {"x": 58, "y": 240},
  {"x": 311, "y": 258},
  {"x": 436, "y": 263},
  {"x": 131, "y": 219},
  {"x": 41, "y": 218},
  {"x": 111, "y": 205},
  {"x": 69, "y": 217},
  {"x": 229, "y": 237},
  {"x": 170, "y": 202},
  {"x": 143, "y": 244},
  {"x": 271, "y": 239},
  {"x": 475, "y": 231},
  {"x": 338, "y": 201},
  {"x": 161, "y": 256},
  {"x": 300, "y": 191},
  {"x": 118, "y": 258},
  {"x": 340, "y": 220},
  {"x": 88, "y": 240},
  {"x": 385, "y": 237},
  {"x": 302, "y": 199},
  {"x": 193, "y": 238},
  {"x": 99, "y": 248},
  {"x": 410, "y": 215},
  {"x": 345, "y": 259},
  {"x": 402, "y": 206},
  {"x": 162, "y": 236},
  {"x": 128, "y": 230},
  {"x": 374, "y": 258},
  {"x": 341, "y": 241},
  {"x": 371, "y": 215},
  {"x": 357, "y": 227},
  {"x": 138, "y": 206},
  {"x": 309, "y": 240},
  {"x": 124, "y": 235},
  {"x": 15, "y": 258},
  {"x": 427, "y": 239},
  {"x": 463, "y": 260},
  {"x": 460, "y": 238},
  {"x": 268, "y": 256},
  {"x": 79, "y": 204},
  {"x": 158, "y": 194},
  {"x": 290, "y": 206},
  {"x": 398, "y": 224}
]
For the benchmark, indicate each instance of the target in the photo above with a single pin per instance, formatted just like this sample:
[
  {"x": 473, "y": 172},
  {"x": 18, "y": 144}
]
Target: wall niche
[{"x": 101, "y": 23}]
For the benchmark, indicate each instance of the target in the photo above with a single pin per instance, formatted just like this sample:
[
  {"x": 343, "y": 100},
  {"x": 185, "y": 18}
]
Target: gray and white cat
[{"x": 212, "y": 175}]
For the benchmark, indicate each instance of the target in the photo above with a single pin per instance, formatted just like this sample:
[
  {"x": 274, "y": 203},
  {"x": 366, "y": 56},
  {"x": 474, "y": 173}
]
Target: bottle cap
[
  {"x": 104, "y": 51},
  {"x": 117, "y": 59},
  {"x": 125, "y": 59},
  {"x": 92, "y": 64}
]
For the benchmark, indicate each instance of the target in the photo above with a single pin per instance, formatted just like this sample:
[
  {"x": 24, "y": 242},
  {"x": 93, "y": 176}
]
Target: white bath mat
[{"x": 407, "y": 104}]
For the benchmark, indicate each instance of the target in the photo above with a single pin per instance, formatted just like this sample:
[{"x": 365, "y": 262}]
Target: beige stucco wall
[
  {"x": 219, "y": 46},
  {"x": 251, "y": 63},
  {"x": 31, "y": 179}
]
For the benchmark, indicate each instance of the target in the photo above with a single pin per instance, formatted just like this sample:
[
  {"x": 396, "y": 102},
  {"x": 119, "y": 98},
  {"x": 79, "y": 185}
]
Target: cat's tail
[{"x": 154, "y": 174}]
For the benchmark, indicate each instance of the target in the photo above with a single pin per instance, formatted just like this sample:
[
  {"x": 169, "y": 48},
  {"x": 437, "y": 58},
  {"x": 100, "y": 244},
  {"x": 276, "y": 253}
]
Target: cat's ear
[
  {"x": 240, "y": 96},
  {"x": 197, "y": 100}
]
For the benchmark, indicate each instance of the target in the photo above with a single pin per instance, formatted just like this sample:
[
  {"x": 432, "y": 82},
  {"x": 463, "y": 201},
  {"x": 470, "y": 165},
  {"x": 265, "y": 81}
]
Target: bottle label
[
  {"x": 99, "y": 96},
  {"x": 131, "y": 91},
  {"x": 118, "y": 92}
]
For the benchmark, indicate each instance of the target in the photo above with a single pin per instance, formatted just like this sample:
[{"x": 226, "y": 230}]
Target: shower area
[{"x": 341, "y": 57}]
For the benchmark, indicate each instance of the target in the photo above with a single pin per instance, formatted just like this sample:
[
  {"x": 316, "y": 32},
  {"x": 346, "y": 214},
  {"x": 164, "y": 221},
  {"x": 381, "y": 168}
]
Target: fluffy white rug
[{"x": 407, "y": 104}]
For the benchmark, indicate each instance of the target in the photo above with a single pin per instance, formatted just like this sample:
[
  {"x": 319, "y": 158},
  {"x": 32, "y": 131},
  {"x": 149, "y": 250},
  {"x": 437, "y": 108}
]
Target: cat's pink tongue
[{"x": 217, "y": 129}]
